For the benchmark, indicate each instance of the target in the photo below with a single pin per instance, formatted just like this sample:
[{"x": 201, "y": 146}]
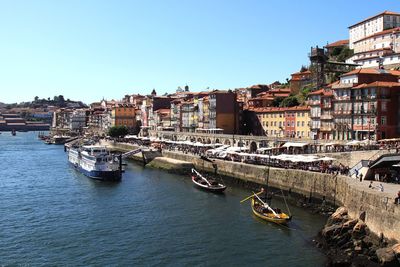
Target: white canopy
[
  {"x": 332, "y": 144},
  {"x": 326, "y": 159},
  {"x": 131, "y": 136},
  {"x": 290, "y": 144},
  {"x": 353, "y": 143}
]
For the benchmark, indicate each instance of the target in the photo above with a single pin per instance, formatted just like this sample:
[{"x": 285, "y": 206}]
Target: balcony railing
[
  {"x": 327, "y": 105},
  {"x": 326, "y": 128},
  {"x": 326, "y": 117},
  {"x": 342, "y": 112}
]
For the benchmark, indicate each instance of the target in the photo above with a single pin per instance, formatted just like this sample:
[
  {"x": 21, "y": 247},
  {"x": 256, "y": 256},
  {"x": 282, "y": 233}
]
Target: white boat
[{"x": 96, "y": 162}]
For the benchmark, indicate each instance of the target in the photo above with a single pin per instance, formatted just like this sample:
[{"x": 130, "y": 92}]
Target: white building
[
  {"x": 376, "y": 40},
  {"x": 77, "y": 120}
]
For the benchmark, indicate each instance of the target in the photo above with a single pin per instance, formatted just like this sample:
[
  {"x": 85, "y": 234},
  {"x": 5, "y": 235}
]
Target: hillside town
[
  {"x": 326, "y": 141},
  {"x": 349, "y": 91}
]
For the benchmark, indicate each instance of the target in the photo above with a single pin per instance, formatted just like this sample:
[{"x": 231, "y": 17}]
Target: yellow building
[
  {"x": 293, "y": 122},
  {"x": 123, "y": 115},
  {"x": 272, "y": 120},
  {"x": 303, "y": 120}
]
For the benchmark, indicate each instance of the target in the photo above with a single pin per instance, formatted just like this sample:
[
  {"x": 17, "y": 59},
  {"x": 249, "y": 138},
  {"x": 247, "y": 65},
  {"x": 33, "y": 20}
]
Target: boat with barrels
[{"x": 207, "y": 184}]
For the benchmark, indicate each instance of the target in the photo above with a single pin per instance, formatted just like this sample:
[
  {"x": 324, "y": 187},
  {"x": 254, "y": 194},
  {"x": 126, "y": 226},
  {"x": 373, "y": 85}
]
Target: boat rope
[
  {"x": 201, "y": 176},
  {"x": 267, "y": 206},
  {"x": 287, "y": 206}
]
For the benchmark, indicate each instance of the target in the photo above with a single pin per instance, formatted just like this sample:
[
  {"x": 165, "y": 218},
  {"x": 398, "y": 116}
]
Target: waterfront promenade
[
  {"x": 382, "y": 215},
  {"x": 53, "y": 215}
]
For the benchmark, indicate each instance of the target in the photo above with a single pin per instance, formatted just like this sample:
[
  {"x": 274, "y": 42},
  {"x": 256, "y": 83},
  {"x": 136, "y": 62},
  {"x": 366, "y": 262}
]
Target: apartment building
[{"x": 376, "y": 41}]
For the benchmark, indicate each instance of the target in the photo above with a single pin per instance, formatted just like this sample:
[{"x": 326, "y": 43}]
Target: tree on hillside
[
  {"x": 290, "y": 101},
  {"x": 118, "y": 131},
  {"x": 303, "y": 68},
  {"x": 277, "y": 101},
  {"x": 345, "y": 54},
  {"x": 36, "y": 98}
]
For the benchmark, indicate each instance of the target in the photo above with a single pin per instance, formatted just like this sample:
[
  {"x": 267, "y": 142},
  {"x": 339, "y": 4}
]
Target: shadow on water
[{"x": 285, "y": 229}]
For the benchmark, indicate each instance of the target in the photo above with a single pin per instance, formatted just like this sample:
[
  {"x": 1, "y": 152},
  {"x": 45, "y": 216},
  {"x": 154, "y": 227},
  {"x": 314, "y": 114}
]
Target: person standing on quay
[{"x": 397, "y": 199}]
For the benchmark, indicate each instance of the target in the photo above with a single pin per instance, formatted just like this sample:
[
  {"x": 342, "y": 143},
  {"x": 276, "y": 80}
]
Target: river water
[{"x": 52, "y": 215}]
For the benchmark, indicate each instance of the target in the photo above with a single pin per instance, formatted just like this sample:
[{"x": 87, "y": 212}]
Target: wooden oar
[{"x": 247, "y": 198}]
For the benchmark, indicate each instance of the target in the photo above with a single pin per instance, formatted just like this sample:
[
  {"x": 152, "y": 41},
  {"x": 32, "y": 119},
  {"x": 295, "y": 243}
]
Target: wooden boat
[
  {"x": 265, "y": 212},
  {"x": 206, "y": 183}
]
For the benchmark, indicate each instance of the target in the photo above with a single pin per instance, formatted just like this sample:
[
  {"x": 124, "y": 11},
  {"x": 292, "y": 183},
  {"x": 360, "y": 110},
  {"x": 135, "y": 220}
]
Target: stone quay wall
[{"x": 382, "y": 215}]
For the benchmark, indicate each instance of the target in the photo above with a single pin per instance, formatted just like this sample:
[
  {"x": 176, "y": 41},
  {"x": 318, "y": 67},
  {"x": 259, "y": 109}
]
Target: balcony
[
  {"x": 326, "y": 117},
  {"x": 342, "y": 112},
  {"x": 315, "y": 115},
  {"x": 326, "y": 128},
  {"x": 314, "y": 102},
  {"x": 327, "y": 105}
]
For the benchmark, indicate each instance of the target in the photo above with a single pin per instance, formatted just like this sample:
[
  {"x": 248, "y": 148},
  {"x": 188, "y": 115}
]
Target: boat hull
[
  {"x": 111, "y": 176},
  {"x": 215, "y": 189},
  {"x": 284, "y": 218}
]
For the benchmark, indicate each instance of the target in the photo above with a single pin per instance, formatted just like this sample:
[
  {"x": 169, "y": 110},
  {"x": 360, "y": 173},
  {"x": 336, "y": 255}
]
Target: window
[
  {"x": 302, "y": 123},
  {"x": 298, "y": 124},
  {"x": 383, "y": 120},
  {"x": 384, "y": 106}
]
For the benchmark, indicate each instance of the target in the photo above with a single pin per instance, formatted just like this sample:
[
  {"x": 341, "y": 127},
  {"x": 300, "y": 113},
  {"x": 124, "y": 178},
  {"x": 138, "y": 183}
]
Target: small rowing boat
[
  {"x": 265, "y": 212},
  {"x": 207, "y": 183}
]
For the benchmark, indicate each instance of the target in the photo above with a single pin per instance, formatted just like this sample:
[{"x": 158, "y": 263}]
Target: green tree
[
  {"x": 277, "y": 101},
  {"x": 118, "y": 131},
  {"x": 36, "y": 98},
  {"x": 289, "y": 101},
  {"x": 345, "y": 54}
]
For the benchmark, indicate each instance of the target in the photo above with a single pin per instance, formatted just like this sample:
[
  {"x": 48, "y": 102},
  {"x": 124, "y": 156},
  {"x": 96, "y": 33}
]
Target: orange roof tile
[
  {"x": 378, "y": 84},
  {"x": 367, "y": 71},
  {"x": 338, "y": 43}
]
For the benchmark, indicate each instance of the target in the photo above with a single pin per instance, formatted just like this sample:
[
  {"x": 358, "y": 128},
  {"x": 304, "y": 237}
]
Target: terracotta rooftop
[
  {"x": 163, "y": 110},
  {"x": 338, "y": 43},
  {"x": 301, "y": 72},
  {"x": 367, "y": 71},
  {"x": 280, "y": 109},
  {"x": 386, "y": 12},
  {"x": 378, "y": 84}
]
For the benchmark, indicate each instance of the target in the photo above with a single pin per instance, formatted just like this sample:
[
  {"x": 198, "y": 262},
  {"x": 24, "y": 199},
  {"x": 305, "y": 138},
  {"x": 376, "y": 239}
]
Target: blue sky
[{"x": 88, "y": 50}]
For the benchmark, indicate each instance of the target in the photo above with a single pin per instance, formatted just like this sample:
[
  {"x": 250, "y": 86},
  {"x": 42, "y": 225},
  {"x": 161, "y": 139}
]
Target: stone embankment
[
  {"x": 381, "y": 214},
  {"x": 349, "y": 242}
]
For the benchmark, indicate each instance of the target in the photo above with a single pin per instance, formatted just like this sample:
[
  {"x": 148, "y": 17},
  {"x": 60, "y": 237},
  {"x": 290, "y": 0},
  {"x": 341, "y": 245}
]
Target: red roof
[
  {"x": 280, "y": 109},
  {"x": 301, "y": 73},
  {"x": 367, "y": 71},
  {"x": 318, "y": 92},
  {"x": 338, "y": 43},
  {"x": 163, "y": 110},
  {"x": 380, "y": 14},
  {"x": 378, "y": 84}
]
